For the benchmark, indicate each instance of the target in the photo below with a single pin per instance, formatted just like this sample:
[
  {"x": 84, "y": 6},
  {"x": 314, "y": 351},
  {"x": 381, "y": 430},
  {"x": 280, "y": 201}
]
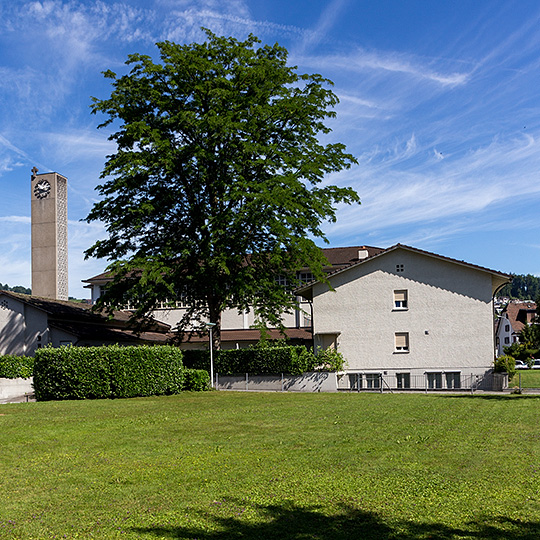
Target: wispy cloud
[{"x": 364, "y": 61}]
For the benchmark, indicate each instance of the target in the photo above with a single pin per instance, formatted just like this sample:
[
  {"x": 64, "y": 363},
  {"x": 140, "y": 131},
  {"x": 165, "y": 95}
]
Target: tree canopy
[
  {"x": 522, "y": 286},
  {"x": 216, "y": 186}
]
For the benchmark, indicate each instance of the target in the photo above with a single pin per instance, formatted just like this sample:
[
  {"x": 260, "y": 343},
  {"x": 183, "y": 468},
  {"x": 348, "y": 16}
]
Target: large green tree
[{"x": 216, "y": 186}]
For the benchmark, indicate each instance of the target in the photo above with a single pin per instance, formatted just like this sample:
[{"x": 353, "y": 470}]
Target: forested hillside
[
  {"x": 523, "y": 287},
  {"x": 17, "y": 288}
]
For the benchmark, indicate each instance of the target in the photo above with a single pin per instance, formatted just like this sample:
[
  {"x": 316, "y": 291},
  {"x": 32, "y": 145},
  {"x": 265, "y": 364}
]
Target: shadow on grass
[
  {"x": 492, "y": 397},
  {"x": 289, "y": 522}
]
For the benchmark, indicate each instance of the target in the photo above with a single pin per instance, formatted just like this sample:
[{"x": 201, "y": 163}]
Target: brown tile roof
[
  {"x": 251, "y": 334},
  {"x": 519, "y": 314},
  {"x": 377, "y": 252},
  {"x": 68, "y": 312},
  {"x": 337, "y": 258}
]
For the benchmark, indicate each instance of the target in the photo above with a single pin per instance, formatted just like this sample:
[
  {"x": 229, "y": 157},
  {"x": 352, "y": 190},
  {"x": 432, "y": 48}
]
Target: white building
[{"x": 408, "y": 318}]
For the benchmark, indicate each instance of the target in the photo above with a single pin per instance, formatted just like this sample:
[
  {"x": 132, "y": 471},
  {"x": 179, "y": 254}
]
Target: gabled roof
[
  {"x": 338, "y": 257},
  {"x": 504, "y": 278},
  {"x": 519, "y": 314},
  {"x": 79, "y": 318}
]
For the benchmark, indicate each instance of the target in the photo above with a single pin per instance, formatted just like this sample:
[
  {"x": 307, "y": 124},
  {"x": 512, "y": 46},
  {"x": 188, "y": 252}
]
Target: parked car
[
  {"x": 520, "y": 364},
  {"x": 536, "y": 364}
]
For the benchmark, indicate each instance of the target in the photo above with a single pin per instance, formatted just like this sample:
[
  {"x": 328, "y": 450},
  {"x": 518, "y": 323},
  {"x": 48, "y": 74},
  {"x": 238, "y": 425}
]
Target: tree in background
[
  {"x": 216, "y": 186},
  {"x": 17, "y": 288},
  {"x": 522, "y": 287}
]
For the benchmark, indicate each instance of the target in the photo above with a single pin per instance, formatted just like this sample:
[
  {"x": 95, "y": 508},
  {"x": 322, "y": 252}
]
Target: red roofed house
[{"x": 514, "y": 317}]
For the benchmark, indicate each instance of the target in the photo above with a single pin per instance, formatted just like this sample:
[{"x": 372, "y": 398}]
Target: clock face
[{"x": 42, "y": 189}]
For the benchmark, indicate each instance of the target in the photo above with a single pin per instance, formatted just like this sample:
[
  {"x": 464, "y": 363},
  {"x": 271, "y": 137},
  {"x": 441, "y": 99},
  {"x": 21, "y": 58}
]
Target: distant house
[
  {"x": 513, "y": 319},
  {"x": 28, "y": 323},
  {"x": 408, "y": 318}
]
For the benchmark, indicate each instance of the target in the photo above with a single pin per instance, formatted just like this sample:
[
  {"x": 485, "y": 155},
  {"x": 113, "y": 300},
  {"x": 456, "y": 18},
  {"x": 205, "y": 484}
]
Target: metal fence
[
  {"x": 427, "y": 382},
  {"x": 363, "y": 382}
]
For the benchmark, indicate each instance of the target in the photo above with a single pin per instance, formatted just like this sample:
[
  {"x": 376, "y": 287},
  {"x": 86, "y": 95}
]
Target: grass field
[
  {"x": 221, "y": 465},
  {"x": 530, "y": 378}
]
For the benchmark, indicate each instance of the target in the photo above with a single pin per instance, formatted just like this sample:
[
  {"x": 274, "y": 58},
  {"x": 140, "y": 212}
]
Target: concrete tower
[{"x": 49, "y": 235}]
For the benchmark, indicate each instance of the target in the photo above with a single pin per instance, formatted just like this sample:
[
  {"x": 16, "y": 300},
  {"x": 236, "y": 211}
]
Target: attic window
[
  {"x": 4, "y": 304},
  {"x": 399, "y": 268}
]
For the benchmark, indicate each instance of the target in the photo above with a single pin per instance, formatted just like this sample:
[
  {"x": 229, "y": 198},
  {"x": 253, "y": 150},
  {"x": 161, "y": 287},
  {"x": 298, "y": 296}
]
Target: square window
[
  {"x": 403, "y": 380},
  {"x": 399, "y": 268},
  {"x": 401, "y": 299},
  {"x": 401, "y": 341},
  {"x": 305, "y": 277}
]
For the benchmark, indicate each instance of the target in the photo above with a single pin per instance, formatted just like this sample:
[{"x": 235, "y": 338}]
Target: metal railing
[{"x": 427, "y": 382}]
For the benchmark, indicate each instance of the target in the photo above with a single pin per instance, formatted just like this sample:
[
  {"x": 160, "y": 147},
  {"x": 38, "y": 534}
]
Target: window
[
  {"x": 453, "y": 380},
  {"x": 373, "y": 380},
  {"x": 507, "y": 328},
  {"x": 434, "y": 380},
  {"x": 403, "y": 380},
  {"x": 282, "y": 280},
  {"x": 400, "y": 300},
  {"x": 399, "y": 268},
  {"x": 355, "y": 381},
  {"x": 401, "y": 340},
  {"x": 305, "y": 277},
  {"x": 506, "y": 340}
]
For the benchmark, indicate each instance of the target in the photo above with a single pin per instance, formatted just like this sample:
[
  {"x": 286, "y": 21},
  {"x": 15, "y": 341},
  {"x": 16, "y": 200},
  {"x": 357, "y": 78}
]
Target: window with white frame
[
  {"x": 401, "y": 300},
  {"x": 305, "y": 277},
  {"x": 401, "y": 341}
]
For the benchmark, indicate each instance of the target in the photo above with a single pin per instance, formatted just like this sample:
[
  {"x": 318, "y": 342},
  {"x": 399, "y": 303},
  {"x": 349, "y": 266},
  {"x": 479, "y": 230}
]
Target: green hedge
[
  {"x": 107, "y": 372},
  {"x": 260, "y": 360},
  {"x": 15, "y": 367},
  {"x": 197, "y": 358},
  {"x": 196, "y": 380},
  {"x": 255, "y": 360}
]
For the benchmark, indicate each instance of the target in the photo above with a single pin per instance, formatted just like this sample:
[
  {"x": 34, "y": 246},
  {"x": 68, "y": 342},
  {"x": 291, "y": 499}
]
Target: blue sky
[{"x": 439, "y": 102}]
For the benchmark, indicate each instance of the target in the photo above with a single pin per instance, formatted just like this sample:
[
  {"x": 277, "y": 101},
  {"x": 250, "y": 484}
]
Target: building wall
[
  {"x": 231, "y": 319},
  {"x": 21, "y": 327},
  {"x": 449, "y": 318}
]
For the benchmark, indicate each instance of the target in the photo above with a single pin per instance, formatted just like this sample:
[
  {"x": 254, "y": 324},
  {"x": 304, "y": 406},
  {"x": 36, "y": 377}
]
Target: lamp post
[{"x": 209, "y": 326}]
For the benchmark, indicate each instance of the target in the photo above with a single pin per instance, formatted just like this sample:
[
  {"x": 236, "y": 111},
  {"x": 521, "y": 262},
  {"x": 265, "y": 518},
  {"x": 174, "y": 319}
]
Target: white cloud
[
  {"x": 15, "y": 219},
  {"x": 362, "y": 61}
]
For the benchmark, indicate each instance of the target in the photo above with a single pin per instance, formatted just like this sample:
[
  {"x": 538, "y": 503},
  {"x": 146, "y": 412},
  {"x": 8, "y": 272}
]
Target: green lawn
[
  {"x": 224, "y": 465},
  {"x": 530, "y": 378}
]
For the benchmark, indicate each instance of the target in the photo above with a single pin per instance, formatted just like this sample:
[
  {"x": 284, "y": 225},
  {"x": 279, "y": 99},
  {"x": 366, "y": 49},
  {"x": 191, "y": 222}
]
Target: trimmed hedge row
[
  {"x": 16, "y": 367},
  {"x": 107, "y": 372},
  {"x": 255, "y": 360},
  {"x": 196, "y": 380}
]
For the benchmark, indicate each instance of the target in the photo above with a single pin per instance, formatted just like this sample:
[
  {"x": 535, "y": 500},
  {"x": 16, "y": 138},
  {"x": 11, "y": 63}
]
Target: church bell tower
[{"x": 49, "y": 235}]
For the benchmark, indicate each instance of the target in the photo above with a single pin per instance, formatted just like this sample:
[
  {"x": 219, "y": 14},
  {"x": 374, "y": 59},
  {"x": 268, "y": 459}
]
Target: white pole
[{"x": 211, "y": 359}]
